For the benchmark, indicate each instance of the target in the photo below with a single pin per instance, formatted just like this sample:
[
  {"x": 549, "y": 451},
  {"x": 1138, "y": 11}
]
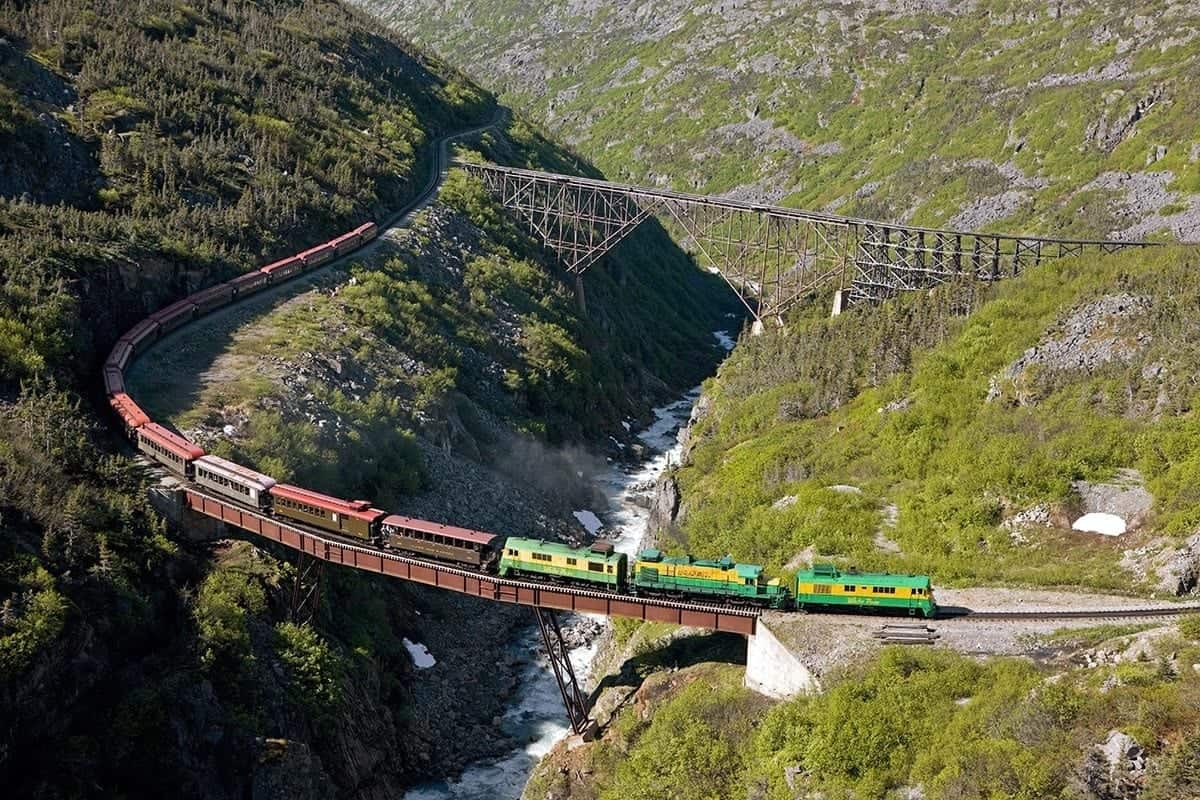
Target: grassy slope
[
  {"x": 896, "y": 115},
  {"x": 951, "y": 725},
  {"x": 953, "y": 463}
]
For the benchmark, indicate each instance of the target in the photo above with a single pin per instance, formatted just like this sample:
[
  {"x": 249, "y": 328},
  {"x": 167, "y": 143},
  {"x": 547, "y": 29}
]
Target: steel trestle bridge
[{"x": 770, "y": 255}]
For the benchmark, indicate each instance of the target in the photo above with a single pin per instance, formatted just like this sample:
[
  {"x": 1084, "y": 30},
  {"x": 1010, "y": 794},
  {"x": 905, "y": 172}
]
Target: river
[{"x": 536, "y": 715}]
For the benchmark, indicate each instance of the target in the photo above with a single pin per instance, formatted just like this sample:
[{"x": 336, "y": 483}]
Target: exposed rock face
[
  {"x": 665, "y": 508},
  {"x": 1114, "y": 770},
  {"x": 1181, "y": 573},
  {"x": 1091, "y": 337}
]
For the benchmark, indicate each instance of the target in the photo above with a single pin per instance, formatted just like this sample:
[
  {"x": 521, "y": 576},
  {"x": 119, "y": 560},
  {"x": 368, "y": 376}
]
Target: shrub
[{"x": 314, "y": 669}]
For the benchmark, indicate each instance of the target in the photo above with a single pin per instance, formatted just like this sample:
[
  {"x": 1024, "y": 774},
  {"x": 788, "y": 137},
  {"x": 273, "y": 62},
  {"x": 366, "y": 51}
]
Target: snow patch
[
  {"x": 422, "y": 658},
  {"x": 589, "y": 521},
  {"x": 1097, "y": 522}
]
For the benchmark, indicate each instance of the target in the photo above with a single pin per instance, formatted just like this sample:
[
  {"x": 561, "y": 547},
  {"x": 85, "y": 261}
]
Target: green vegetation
[
  {"x": 199, "y": 141},
  {"x": 954, "y": 726},
  {"x": 906, "y": 417},
  {"x": 314, "y": 668},
  {"x": 148, "y": 150},
  {"x": 501, "y": 337},
  {"x": 911, "y": 113}
]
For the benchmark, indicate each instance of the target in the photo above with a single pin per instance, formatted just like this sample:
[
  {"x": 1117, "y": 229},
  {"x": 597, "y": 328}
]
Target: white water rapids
[{"x": 537, "y": 716}]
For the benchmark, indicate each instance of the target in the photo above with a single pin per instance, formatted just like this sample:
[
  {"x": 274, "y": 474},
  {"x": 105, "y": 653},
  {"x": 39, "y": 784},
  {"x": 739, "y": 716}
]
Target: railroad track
[{"x": 1069, "y": 614}]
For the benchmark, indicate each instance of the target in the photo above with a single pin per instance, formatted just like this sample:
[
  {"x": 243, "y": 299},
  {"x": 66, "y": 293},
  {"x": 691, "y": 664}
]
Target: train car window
[
  {"x": 512, "y": 552},
  {"x": 541, "y": 557},
  {"x": 572, "y": 562},
  {"x": 594, "y": 567},
  {"x": 848, "y": 589},
  {"x": 610, "y": 570}
]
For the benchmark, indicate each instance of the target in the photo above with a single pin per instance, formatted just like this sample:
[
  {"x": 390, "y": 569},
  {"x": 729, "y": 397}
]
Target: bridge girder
[{"x": 771, "y": 256}]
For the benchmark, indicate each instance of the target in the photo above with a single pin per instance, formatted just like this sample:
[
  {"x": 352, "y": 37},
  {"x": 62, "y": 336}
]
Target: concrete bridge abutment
[{"x": 773, "y": 670}]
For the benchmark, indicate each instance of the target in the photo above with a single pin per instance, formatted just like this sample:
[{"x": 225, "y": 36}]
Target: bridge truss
[{"x": 771, "y": 256}]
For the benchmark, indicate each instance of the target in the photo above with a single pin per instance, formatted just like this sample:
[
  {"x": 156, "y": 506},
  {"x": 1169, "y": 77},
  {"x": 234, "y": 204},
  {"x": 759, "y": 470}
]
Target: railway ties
[{"x": 907, "y": 633}]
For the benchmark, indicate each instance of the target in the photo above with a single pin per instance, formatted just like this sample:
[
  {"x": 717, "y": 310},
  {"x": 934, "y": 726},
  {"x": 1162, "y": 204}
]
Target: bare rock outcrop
[
  {"x": 1180, "y": 575},
  {"x": 1114, "y": 770},
  {"x": 1091, "y": 337}
]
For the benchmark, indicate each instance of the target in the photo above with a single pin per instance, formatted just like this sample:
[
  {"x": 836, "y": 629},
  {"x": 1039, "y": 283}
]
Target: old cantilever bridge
[{"x": 771, "y": 256}]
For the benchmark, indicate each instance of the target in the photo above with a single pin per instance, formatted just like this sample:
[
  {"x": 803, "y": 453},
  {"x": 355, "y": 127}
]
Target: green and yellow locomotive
[
  {"x": 825, "y": 586},
  {"x": 678, "y": 576},
  {"x": 596, "y": 564}
]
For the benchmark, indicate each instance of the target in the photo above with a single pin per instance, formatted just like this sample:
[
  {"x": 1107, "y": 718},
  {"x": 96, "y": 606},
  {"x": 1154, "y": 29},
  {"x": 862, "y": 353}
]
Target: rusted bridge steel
[
  {"x": 363, "y": 556},
  {"x": 770, "y": 255}
]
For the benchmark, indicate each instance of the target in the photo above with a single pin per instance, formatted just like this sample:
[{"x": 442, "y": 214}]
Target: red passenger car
[
  {"x": 142, "y": 335},
  {"x": 178, "y": 313},
  {"x": 114, "y": 381},
  {"x": 119, "y": 357},
  {"x": 213, "y": 297},
  {"x": 249, "y": 283},
  {"x": 168, "y": 448},
  {"x": 283, "y": 269},
  {"x": 345, "y": 243},
  {"x": 353, "y": 517},
  {"x": 129, "y": 412},
  {"x": 317, "y": 255},
  {"x": 464, "y": 545}
]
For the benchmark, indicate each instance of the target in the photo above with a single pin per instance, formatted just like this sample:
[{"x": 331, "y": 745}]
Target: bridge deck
[{"x": 363, "y": 556}]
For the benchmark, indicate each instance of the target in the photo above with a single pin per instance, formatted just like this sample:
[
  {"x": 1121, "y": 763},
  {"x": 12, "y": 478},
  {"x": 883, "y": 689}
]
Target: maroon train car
[
  {"x": 168, "y": 448},
  {"x": 448, "y": 542}
]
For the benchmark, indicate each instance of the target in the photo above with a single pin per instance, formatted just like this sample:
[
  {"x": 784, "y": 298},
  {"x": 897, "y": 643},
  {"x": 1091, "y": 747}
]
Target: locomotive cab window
[{"x": 594, "y": 567}]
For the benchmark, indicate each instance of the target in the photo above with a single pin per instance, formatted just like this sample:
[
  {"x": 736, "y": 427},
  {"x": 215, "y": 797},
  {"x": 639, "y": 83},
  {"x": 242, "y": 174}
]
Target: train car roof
[
  {"x": 174, "y": 308},
  {"x": 450, "y": 531},
  {"x": 654, "y": 556},
  {"x": 137, "y": 330},
  {"x": 231, "y": 469},
  {"x": 210, "y": 291},
  {"x": 359, "y": 509},
  {"x": 172, "y": 440},
  {"x": 543, "y": 546},
  {"x": 123, "y": 404},
  {"x": 827, "y": 573},
  {"x": 283, "y": 262}
]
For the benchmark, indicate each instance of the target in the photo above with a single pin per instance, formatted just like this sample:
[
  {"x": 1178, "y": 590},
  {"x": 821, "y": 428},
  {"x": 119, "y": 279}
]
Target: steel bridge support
[
  {"x": 573, "y": 697},
  {"x": 306, "y": 588},
  {"x": 772, "y": 257}
]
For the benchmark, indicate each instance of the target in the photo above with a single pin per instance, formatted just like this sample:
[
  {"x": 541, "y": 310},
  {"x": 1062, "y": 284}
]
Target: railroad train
[{"x": 596, "y": 566}]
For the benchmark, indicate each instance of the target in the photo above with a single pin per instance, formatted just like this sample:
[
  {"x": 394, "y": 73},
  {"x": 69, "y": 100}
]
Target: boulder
[{"x": 1180, "y": 575}]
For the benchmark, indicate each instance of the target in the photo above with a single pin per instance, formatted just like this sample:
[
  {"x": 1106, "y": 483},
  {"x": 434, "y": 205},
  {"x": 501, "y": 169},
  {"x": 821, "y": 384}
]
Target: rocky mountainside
[
  {"x": 147, "y": 150},
  {"x": 911, "y": 723},
  {"x": 1072, "y": 117}
]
